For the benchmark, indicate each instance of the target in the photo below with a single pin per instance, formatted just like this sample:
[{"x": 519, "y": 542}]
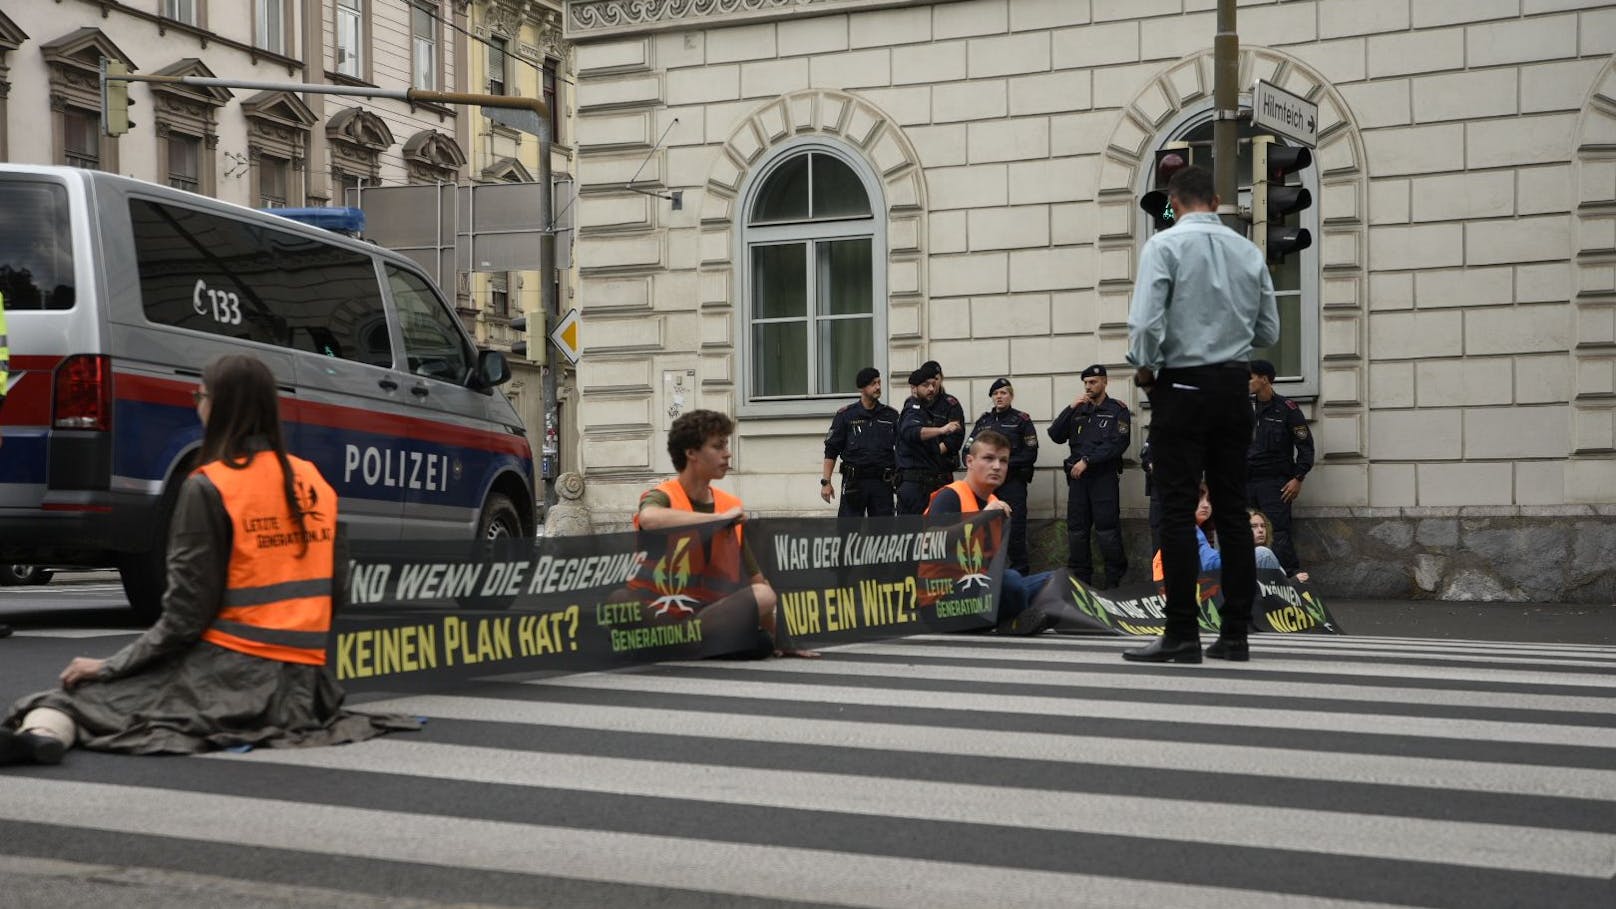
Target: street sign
[
  {"x": 1285, "y": 114},
  {"x": 565, "y": 336}
]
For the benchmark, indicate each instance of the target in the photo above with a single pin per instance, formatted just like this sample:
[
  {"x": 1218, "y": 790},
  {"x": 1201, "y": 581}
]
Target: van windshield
[{"x": 36, "y": 246}]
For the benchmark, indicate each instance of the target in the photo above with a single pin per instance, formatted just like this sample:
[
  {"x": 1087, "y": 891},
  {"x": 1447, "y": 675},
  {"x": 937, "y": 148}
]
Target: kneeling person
[{"x": 987, "y": 463}]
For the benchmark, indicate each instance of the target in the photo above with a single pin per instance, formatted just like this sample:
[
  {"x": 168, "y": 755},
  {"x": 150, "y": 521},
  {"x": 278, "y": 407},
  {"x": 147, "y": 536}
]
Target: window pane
[
  {"x": 36, "y": 248},
  {"x": 271, "y": 26},
  {"x": 184, "y": 162},
  {"x": 845, "y": 277},
  {"x": 780, "y": 359},
  {"x": 838, "y": 192},
  {"x": 82, "y": 133},
  {"x": 845, "y": 347},
  {"x": 433, "y": 343},
  {"x": 1287, "y": 354},
  {"x": 780, "y": 281},
  {"x": 239, "y": 279},
  {"x": 349, "y": 57},
  {"x": 785, "y": 195},
  {"x": 496, "y": 66},
  {"x": 272, "y": 180}
]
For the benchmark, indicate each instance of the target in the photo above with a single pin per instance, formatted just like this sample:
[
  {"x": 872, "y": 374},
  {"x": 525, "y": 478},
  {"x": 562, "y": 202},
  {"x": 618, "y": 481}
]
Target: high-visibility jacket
[
  {"x": 937, "y": 569},
  {"x": 277, "y": 598},
  {"x": 5, "y": 350},
  {"x": 679, "y": 572}
]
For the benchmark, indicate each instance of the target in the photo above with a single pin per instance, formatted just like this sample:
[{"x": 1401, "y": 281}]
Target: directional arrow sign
[
  {"x": 565, "y": 336},
  {"x": 1285, "y": 114}
]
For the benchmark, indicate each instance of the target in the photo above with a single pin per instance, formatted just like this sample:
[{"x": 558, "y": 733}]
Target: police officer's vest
[
  {"x": 277, "y": 597},
  {"x": 679, "y": 572}
]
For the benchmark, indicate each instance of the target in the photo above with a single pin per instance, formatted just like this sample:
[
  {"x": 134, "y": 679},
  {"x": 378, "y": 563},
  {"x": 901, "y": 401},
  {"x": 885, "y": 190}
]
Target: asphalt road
[{"x": 1439, "y": 755}]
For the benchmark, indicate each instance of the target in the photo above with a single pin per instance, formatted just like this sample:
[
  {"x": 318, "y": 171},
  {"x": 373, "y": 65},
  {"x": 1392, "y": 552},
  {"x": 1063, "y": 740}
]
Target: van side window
[
  {"x": 433, "y": 343},
  {"x": 237, "y": 278},
  {"x": 36, "y": 246}
]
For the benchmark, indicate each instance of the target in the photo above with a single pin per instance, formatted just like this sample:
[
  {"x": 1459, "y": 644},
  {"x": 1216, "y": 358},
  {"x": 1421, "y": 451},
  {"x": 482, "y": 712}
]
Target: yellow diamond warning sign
[{"x": 565, "y": 336}]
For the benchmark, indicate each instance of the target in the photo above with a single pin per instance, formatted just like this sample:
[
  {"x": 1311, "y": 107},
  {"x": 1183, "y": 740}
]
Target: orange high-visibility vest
[
  {"x": 678, "y": 570},
  {"x": 937, "y": 570},
  {"x": 277, "y": 603}
]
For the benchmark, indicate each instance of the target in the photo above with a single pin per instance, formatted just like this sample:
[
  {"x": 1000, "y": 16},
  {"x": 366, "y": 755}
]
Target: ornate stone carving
[
  {"x": 590, "y": 15},
  {"x": 569, "y": 517}
]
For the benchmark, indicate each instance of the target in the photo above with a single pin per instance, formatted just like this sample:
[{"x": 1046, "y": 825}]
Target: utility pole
[
  {"x": 1226, "y": 126},
  {"x": 115, "y": 121}
]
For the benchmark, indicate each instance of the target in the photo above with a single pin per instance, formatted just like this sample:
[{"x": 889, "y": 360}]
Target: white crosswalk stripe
[{"x": 968, "y": 771}]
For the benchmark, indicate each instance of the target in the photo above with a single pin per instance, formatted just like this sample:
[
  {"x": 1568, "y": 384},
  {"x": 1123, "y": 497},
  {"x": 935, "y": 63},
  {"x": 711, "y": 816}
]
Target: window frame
[
  {"x": 171, "y": 9},
  {"x": 1307, "y": 385},
  {"x": 359, "y": 12},
  {"x": 435, "y": 37},
  {"x": 503, "y": 45},
  {"x": 263, "y": 34},
  {"x": 746, "y": 237}
]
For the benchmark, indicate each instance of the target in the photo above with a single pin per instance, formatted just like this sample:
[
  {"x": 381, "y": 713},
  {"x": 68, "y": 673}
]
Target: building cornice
[{"x": 589, "y": 20}]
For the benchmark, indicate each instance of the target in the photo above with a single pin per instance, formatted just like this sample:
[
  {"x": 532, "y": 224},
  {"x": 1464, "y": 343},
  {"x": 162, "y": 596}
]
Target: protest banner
[{"x": 1282, "y": 606}]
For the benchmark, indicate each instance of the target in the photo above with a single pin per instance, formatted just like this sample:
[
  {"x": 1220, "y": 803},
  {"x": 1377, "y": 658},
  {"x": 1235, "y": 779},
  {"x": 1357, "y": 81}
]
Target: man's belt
[
  {"x": 932, "y": 478},
  {"x": 854, "y": 473}
]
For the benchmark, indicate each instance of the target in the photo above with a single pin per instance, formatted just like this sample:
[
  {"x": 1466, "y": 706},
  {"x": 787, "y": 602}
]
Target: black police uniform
[
  {"x": 1017, "y": 426},
  {"x": 1098, "y": 434},
  {"x": 1281, "y": 450},
  {"x": 864, "y": 439},
  {"x": 951, "y": 410},
  {"x": 922, "y": 468}
]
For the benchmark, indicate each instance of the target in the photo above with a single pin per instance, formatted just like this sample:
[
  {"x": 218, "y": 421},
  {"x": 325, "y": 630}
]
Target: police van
[{"x": 117, "y": 291}]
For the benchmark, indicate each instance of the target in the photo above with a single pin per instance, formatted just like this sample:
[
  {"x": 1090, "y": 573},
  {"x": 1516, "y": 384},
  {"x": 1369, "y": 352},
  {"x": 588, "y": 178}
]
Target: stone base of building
[{"x": 1521, "y": 554}]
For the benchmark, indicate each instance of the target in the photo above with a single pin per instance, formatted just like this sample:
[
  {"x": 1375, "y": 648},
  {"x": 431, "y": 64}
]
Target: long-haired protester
[{"x": 238, "y": 656}]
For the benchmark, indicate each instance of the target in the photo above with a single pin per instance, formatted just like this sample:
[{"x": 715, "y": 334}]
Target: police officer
[
  {"x": 863, "y": 435},
  {"x": 953, "y": 411},
  {"x": 1279, "y": 458},
  {"x": 1017, "y": 426},
  {"x": 925, "y": 460},
  {"x": 1096, "y": 427}
]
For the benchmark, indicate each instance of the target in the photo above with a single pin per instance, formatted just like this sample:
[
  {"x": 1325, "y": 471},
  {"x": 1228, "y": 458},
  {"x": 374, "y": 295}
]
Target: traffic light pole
[{"x": 1226, "y": 128}]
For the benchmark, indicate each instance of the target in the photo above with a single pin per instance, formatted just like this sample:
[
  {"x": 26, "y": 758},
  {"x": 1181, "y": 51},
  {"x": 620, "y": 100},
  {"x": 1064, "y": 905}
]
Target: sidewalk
[{"x": 1539, "y": 623}]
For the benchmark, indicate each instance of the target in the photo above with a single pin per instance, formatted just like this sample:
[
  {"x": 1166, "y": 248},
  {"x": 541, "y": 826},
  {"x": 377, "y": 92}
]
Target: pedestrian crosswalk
[{"x": 968, "y": 771}]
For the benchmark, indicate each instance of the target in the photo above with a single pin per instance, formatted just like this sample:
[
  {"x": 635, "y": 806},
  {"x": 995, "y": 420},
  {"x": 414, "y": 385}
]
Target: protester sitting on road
[
  {"x": 1262, "y": 534},
  {"x": 238, "y": 657},
  {"x": 987, "y": 463},
  {"x": 698, "y": 445},
  {"x": 1211, "y": 558}
]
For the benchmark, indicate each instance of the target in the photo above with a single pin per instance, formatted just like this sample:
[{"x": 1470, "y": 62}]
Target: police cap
[
  {"x": 865, "y": 376},
  {"x": 1263, "y": 368},
  {"x": 1095, "y": 370},
  {"x": 923, "y": 374},
  {"x": 1000, "y": 382}
]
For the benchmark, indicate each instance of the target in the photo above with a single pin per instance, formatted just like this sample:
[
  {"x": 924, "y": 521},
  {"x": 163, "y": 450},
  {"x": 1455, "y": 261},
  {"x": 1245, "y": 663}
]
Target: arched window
[
  {"x": 1296, "y": 280},
  {"x": 813, "y": 275}
]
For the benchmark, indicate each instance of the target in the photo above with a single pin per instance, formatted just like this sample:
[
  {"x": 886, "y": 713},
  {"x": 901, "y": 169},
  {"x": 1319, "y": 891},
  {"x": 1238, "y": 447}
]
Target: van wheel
[
  {"x": 23, "y": 575},
  {"x": 499, "y": 519}
]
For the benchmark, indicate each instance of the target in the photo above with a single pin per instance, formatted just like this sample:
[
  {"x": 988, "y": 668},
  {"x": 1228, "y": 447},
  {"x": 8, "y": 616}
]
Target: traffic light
[
  {"x": 519, "y": 345},
  {"x": 1272, "y": 199},
  {"x": 1170, "y": 159},
  {"x": 114, "y": 98}
]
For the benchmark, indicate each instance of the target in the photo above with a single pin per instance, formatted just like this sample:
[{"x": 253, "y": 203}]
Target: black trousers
[
  {"x": 1095, "y": 499},
  {"x": 868, "y": 496},
  {"x": 1014, "y": 492},
  {"x": 1202, "y": 424},
  {"x": 1263, "y": 494},
  {"x": 914, "y": 496}
]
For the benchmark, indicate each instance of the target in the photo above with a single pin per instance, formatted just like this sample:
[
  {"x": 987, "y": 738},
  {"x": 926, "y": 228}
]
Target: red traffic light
[
  {"x": 1169, "y": 161},
  {"x": 1284, "y": 160}
]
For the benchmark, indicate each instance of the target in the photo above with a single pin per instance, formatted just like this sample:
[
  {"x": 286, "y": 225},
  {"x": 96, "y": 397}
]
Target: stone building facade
[
  {"x": 249, "y": 147},
  {"x": 1452, "y": 331}
]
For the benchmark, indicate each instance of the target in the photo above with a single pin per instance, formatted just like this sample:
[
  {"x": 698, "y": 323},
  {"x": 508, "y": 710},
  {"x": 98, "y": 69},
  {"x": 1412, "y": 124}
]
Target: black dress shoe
[
  {"x": 1164, "y": 650},
  {"x": 1235, "y": 651},
  {"x": 30, "y": 748}
]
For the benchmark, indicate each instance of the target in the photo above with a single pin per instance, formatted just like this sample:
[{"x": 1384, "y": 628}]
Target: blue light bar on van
[{"x": 343, "y": 220}]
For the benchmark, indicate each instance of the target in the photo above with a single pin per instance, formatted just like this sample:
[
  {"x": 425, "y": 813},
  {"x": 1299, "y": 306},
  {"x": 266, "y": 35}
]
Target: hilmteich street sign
[{"x": 1285, "y": 114}]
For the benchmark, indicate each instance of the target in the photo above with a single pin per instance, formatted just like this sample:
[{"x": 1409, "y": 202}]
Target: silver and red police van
[{"x": 117, "y": 291}]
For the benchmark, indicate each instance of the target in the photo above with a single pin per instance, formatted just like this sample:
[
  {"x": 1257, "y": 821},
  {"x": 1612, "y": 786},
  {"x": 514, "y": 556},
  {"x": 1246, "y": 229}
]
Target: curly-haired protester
[
  {"x": 698, "y": 445},
  {"x": 238, "y": 656}
]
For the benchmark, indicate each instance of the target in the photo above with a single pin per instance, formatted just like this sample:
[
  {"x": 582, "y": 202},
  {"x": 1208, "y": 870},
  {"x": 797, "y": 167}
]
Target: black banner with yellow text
[{"x": 1282, "y": 605}]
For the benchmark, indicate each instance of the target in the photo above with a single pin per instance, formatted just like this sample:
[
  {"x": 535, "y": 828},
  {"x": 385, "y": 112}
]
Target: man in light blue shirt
[{"x": 1203, "y": 299}]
